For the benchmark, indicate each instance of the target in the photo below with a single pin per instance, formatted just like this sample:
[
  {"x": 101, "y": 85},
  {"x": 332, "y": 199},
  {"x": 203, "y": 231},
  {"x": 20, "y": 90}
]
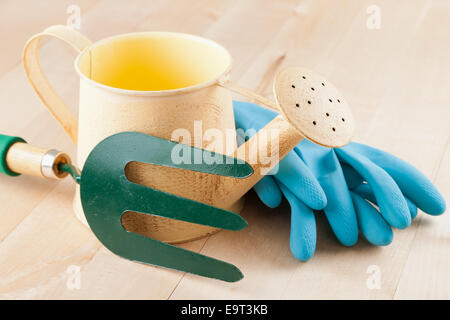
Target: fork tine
[
  {"x": 150, "y": 149},
  {"x": 151, "y": 201},
  {"x": 146, "y": 250}
]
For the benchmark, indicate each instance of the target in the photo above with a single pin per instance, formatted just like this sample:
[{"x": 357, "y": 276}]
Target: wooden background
[{"x": 397, "y": 80}]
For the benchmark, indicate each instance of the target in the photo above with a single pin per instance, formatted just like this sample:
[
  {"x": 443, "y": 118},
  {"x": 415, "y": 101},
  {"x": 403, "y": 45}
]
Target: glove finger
[
  {"x": 268, "y": 192},
  {"x": 295, "y": 175},
  {"x": 390, "y": 199},
  {"x": 372, "y": 225},
  {"x": 414, "y": 184},
  {"x": 339, "y": 211},
  {"x": 352, "y": 177},
  {"x": 303, "y": 227},
  {"x": 366, "y": 192},
  {"x": 412, "y": 208}
]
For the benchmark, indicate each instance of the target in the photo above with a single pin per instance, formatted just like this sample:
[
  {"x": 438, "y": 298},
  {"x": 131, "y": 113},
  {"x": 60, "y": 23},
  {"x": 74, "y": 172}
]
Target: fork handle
[{"x": 18, "y": 157}]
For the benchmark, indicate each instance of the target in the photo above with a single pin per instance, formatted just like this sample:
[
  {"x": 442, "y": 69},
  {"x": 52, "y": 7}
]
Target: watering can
[{"x": 177, "y": 87}]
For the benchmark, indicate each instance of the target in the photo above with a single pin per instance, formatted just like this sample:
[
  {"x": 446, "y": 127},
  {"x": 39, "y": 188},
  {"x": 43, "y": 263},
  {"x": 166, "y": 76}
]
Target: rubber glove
[{"x": 395, "y": 186}]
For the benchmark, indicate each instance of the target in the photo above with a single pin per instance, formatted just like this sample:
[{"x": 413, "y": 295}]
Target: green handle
[{"x": 5, "y": 143}]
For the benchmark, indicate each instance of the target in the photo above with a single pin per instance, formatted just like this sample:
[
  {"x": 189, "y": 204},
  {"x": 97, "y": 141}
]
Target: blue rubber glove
[{"x": 350, "y": 179}]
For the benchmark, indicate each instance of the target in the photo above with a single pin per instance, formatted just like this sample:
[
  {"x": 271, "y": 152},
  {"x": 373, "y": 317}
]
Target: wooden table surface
[{"x": 396, "y": 78}]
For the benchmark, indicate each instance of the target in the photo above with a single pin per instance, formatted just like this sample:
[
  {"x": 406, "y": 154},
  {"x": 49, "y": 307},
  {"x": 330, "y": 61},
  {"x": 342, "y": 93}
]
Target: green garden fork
[{"x": 106, "y": 194}]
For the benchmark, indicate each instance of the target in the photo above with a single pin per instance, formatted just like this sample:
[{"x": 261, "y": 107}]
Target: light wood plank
[
  {"x": 20, "y": 19},
  {"x": 426, "y": 273}
]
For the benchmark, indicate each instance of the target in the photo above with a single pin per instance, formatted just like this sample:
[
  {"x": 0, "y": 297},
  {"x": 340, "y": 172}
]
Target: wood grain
[{"x": 396, "y": 79}]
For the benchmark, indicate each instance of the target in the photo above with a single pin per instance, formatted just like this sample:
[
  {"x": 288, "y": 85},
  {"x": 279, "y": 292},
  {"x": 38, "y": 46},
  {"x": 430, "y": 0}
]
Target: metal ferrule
[{"x": 50, "y": 162}]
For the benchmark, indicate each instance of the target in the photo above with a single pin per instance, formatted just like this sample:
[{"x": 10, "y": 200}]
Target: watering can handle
[
  {"x": 39, "y": 81},
  {"x": 18, "y": 157}
]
